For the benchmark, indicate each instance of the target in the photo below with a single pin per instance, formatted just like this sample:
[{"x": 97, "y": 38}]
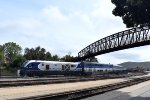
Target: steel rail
[
  {"x": 55, "y": 81},
  {"x": 78, "y": 94}
]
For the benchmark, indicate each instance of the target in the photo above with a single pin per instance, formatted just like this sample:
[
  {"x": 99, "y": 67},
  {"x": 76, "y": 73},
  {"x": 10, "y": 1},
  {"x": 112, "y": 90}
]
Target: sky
[{"x": 64, "y": 27}]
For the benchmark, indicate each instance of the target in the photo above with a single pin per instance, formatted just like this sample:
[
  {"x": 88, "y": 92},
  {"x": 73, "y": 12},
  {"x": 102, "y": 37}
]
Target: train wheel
[
  {"x": 23, "y": 75},
  {"x": 30, "y": 75}
]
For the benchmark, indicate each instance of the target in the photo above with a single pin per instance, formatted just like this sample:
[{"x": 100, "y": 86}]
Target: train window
[
  {"x": 30, "y": 65},
  {"x": 47, "y": 67},
  {"x": 73, "y": 66},
  {"x": 63, "y": 67}
]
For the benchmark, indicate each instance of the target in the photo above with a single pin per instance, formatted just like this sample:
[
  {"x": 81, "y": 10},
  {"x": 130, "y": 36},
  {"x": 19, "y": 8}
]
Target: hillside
[{"x": 145, "y": 65}]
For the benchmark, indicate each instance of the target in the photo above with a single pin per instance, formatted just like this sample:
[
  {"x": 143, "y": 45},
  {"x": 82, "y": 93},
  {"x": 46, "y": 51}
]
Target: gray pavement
[{"x": 136, "y": 92}]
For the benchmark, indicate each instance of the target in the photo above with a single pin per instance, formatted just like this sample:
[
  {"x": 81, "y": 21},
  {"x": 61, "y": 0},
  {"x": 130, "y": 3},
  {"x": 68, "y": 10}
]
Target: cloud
[
  {"x": 102, "y": 9},
  {"x": 63, "y": 28},
  {"x": 137, "y": 54},
  {"x": 21, "y": 23},
  {"x": 53, "y": 13},
  {"x": 124, "y": 55}
]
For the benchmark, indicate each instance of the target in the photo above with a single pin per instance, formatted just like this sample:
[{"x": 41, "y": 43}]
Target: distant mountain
[{"x": 145, "y": 65}]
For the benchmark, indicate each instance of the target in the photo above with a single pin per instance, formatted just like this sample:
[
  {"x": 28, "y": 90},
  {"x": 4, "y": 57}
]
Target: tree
[
  {"x": 55, "y": 58},
  {"x": 1, "y": 53},
  {"x": 11, "y": 50},
  {"x": 1, "y": 57},
  {"x": 18, "y": 61},
  {"x": 48, "y": 56},
  {"x": 37, "y": 54},
  {"x": 67, "y": 58},
  {"x": 92, "y": 59},
  {"x": 27, "y": 54},
  {"x": 134, "y": 13},
  {"x": 42, "y": 54},
  {"x": 34, "y": 54}
]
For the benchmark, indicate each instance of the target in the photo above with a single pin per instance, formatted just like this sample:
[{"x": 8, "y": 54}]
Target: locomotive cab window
[
  {"x": 47, "y": 67},
  {"x": 73, "y": 66},
  {"x": 30, "y": 65}
]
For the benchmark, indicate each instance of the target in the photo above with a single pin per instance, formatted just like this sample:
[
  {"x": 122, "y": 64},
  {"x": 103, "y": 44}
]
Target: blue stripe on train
[
  {"x": 98, "y": 66},
  {"x": 92, "y": 66},
  {"x": 95, "y": 67}
]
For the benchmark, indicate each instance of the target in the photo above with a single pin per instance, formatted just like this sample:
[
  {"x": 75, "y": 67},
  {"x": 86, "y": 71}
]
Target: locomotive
[{"x": 43, "y": 68}]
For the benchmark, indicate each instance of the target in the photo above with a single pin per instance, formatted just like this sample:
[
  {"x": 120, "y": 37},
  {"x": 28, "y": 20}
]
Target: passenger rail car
[
  {"x": 42, "y": 68},
  {"x": 95, "y": 68}
]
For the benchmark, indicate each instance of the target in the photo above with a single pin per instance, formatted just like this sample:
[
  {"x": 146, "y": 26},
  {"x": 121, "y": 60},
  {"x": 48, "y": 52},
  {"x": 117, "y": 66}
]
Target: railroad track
[
  {"x": 42, "y": 81},
  {"x": 26, "y": 82},
  {"x": 78, "y": 94}
]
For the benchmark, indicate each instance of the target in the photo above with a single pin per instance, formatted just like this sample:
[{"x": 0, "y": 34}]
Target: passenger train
[{"x": 42, "y": 68}]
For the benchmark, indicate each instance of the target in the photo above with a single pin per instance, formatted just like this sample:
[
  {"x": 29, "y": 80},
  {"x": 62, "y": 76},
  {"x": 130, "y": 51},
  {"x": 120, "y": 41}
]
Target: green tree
[
  {"x": 48, "y": 56},
  {"x": 37, "y": 54},
  {"x": 92, "y": 59},
  {"x": 18, "y": 61},
  {"x": 1, "y": 53},
  {"x": 27, "y": 54},
  {"x": 55, "y": 58},
  {"x": 67, "y": 58},
  {"x": 1, "y": 58},
  {"x": 133, "y": 12},
  {"x": 42, "y": 54},
  {"x": 11, "y": 50}
]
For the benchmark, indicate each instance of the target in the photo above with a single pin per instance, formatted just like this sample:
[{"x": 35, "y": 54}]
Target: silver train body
[{"x": 42, "y": 68}]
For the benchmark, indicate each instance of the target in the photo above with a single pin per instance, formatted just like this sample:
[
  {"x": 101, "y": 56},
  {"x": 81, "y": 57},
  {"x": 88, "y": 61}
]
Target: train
[{"x": 42, "y": 68}]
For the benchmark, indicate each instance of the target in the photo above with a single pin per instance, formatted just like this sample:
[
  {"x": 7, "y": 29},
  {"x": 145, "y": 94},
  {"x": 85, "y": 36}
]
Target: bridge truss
[{"x": 134, "y": 37}]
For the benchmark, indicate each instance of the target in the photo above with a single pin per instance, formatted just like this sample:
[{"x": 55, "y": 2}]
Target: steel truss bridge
[{"x": 134, "y": 37}]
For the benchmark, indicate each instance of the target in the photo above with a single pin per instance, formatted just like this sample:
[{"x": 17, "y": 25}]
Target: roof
[{"x": 54, "y": 62}]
